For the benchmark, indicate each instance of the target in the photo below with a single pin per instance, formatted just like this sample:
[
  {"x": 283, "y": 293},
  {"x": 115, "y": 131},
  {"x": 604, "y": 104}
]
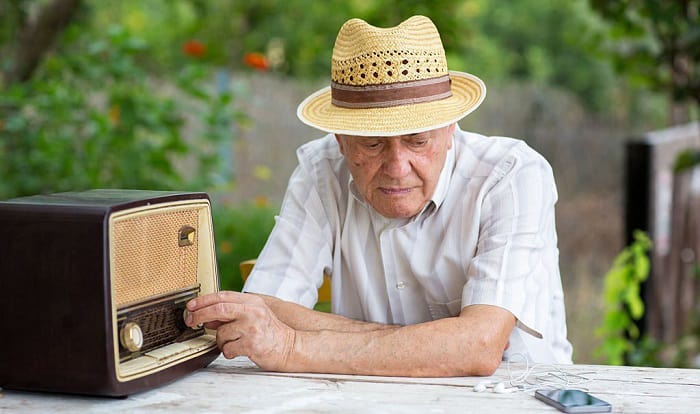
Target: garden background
[{"x": 201, "y": 95}]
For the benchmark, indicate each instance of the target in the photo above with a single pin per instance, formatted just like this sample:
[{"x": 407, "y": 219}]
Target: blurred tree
[
  {"x": 30, "y": 30},
  {"x": 548, "y": 41},
  {"x": 657, "y": 43},
  {"x": 78, "y": 110},
  {"x": 91, "y": 118},
  {"x": 82, "y": 107}
]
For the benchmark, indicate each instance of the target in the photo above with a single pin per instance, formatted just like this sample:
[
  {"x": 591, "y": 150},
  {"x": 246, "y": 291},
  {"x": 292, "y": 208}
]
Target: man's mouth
[{"x": 395, "y": 190}]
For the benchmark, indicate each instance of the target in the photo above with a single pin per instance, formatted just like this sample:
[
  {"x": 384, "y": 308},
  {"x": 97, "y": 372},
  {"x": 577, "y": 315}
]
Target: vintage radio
[{"x": 93, "y": 286}]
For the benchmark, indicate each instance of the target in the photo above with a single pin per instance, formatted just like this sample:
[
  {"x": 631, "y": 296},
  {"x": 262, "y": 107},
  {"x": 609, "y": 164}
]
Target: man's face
[{"x": 397, "y": 175}]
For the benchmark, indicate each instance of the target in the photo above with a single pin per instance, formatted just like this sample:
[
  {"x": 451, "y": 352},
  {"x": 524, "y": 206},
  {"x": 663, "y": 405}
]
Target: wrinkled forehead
[{"x": 443, "y": 131}]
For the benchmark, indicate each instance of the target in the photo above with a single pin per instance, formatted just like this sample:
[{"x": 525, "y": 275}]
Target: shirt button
[{"x": 400, "y": 285}]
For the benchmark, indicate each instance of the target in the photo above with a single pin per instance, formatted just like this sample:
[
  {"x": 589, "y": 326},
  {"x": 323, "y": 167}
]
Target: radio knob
[
  {"x": 184, "y": 319},
  {"x": 131, "y": 336}
]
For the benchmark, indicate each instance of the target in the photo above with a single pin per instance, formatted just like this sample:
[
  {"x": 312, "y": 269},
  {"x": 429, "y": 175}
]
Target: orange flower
[
  {"x": 256, "y": 60},
  {"x": 194, "y": 48},
  {"x": 261, "y": 201}
]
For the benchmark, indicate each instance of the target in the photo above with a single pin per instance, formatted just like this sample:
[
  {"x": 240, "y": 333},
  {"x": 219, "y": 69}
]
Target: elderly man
[{"x": 440, "y": 244}]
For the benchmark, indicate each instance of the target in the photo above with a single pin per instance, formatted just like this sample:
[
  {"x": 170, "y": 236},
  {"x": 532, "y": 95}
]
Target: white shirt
[{"x": 486, "y": 237}]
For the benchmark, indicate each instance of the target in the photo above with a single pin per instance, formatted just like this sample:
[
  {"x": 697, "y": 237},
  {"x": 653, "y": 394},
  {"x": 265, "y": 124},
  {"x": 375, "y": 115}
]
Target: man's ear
[{"x": 341, "y": 143}]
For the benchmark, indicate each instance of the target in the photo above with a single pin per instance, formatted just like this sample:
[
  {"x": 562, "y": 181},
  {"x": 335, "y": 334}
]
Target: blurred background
[{"x": 202, "y": 95}]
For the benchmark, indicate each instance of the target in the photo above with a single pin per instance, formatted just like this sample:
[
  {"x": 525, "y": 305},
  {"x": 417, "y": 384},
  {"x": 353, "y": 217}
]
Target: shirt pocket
[{"x": 444, "y": 310}]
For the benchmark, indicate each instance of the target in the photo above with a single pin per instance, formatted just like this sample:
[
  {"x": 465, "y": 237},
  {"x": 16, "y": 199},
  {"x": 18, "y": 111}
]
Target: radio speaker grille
[{"x": 148, "y": 260}]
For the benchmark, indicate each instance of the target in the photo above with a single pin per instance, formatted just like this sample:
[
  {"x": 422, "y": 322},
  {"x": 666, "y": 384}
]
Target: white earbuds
[
  {"x": 481, "y": 386},
  {"x": 498, "y": 387}
]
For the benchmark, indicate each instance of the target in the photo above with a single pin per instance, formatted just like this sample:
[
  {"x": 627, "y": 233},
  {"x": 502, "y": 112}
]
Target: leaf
[
  {"x": 641, "y": 267},
  {"x": 622, "y": 298},
  {"x": 636, "y": 306},
  {"x": 616, "y": 321},
  {"x": 614, "y": 349}
]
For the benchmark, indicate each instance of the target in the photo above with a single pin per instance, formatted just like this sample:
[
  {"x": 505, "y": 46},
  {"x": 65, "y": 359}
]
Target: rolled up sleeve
[{"x": 292, "y": 263}]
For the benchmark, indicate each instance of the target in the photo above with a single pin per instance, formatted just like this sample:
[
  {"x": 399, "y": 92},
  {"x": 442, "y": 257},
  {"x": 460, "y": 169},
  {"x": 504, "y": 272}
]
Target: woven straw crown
[
  {"x": 390, "y": 81},
  {"x": 367, "y": 55}
]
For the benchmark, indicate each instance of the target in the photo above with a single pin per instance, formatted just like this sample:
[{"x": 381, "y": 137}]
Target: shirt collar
[
  {"x": 443, "y": 181},
  {"x": 439, "y": 194}
]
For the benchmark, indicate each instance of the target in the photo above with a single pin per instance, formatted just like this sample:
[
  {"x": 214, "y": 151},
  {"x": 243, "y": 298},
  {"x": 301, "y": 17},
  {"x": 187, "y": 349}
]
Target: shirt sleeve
[
  {"x": 292, "y": 263},
  {"x": 516, "y": 262}
]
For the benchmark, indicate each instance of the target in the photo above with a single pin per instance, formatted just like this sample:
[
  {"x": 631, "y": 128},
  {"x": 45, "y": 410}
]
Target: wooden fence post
[
  {"x": 680, "y": 297},
  {"x": 667, "y": 207}
]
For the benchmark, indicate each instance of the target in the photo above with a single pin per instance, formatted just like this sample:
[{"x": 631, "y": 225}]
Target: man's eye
[{"x": 419, "y": 143}]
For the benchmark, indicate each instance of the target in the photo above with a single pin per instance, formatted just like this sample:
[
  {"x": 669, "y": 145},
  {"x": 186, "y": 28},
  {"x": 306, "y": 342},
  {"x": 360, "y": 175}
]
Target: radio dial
[{"x": 131, "y": 336}]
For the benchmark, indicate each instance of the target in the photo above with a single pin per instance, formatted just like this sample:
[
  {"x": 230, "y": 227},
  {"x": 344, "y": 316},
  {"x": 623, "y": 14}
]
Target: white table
[{"x": 231, "y": 386}]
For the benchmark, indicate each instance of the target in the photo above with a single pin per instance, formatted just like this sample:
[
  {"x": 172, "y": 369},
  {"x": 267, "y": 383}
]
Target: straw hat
[{"x": 391, "y": 81}]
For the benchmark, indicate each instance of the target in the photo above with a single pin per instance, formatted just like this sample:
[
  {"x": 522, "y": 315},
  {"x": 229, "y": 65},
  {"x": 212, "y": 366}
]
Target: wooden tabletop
[{"x": 232, "y": 386}]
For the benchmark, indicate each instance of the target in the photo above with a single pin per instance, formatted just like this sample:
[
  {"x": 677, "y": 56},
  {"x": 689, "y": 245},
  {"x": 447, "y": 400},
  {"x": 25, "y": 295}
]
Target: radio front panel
[{"x": 160, "y": 258}]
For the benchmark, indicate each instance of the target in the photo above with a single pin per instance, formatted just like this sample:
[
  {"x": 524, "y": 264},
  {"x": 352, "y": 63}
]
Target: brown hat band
[{"x": 391, "y": 94}]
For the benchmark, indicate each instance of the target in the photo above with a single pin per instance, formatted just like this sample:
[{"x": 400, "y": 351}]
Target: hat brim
[{"x": 468, "y": 91}]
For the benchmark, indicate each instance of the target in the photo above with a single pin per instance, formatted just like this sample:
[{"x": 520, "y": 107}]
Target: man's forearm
[
  {"x": 301, "y": 340},
  {"x": 471, "y": 344},
  {"x": 304, "y": 319}
]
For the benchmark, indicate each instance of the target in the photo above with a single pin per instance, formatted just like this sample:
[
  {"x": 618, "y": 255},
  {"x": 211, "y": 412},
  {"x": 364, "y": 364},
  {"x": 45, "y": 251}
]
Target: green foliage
[
  {"x": 644, "y": 352},
  {"x": 551, "y": 42},
  {"x": 656, "y": 43},
  {"x": 623, "y": 302},
  {"x": 93, "y": 117},
  {"x": 685, "y": 160},
  {"x": 241, "y": 232},
  {"x": 649, "y": 352},
  {"x": 96, "y": 115},
  {"x": 622, "y": 342},
  {"x": 554, "y": 43}
]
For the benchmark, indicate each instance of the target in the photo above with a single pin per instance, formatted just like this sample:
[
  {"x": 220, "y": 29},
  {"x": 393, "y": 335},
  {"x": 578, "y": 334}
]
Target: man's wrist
[
  {"x": 289, "y": 352},
  {"x": 295, "y": 359}
]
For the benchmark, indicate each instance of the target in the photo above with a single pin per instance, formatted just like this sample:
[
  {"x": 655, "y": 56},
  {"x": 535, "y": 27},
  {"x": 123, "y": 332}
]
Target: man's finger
[
  {"x": 231, "y": 349},
  {"x": 212, "y": 298},
  {"x": 218, "y": 312},
  {"x": 222, "y": 296},
  {"x": 213, "y": 325},
  {"x": 228, "y": 332}
]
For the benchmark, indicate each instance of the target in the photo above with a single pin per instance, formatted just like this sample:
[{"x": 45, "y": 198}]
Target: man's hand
[
  {"x": 244, "y": 325},
  {"x": 469, "y": 344}
]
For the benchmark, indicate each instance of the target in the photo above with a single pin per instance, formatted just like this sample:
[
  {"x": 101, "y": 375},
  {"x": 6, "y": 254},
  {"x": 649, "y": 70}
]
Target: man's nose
[{"x": 397, "y": 161}]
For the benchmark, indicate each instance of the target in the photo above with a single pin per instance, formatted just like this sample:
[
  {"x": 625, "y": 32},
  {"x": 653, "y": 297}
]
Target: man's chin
[{"x": 397, "y": 212}]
